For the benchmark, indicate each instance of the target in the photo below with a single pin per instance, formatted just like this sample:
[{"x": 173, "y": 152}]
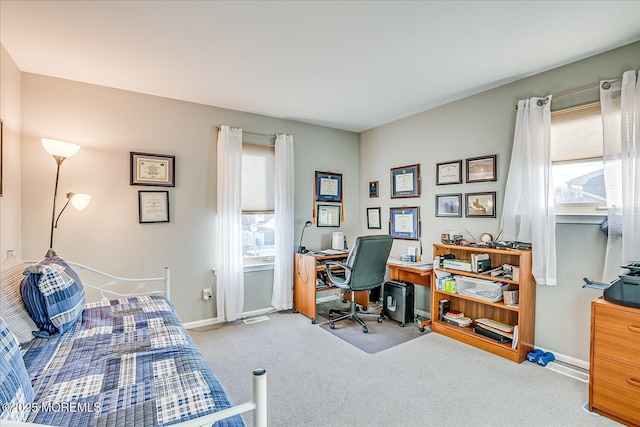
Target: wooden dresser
[{"x": 614, "y": 377}]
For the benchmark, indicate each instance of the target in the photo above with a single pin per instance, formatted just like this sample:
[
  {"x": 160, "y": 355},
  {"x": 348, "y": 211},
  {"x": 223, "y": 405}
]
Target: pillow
[
  {"x": 12, "y": 308},
  {"x": 15, "y": 386},
  {"x": 53, "y": 295}
]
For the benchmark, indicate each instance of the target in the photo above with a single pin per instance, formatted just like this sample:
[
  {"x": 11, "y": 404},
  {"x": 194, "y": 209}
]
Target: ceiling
[{"x": 351, "y": 65}]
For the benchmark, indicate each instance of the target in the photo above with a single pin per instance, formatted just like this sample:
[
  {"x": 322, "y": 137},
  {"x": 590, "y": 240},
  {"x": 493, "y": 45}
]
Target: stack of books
[
  {"x": 457, "y": 318},
  {"x": 499, "y": 331}
]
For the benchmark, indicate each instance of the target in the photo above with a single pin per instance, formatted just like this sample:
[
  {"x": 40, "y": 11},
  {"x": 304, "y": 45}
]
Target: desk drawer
[
  {"x": 617, "y": 334},
  {"x": 616, "y": 389}
]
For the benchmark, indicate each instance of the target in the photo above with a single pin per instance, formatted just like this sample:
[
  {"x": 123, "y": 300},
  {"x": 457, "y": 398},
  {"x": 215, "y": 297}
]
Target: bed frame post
[
  {"x": 167, "y": 283},
  {"x": 260, "y": 398}
]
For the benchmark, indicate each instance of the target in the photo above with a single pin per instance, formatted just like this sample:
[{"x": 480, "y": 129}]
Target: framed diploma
[
  {"x": 328, "y": 216},
  {"x": 404, "y": 222},
  {"x": 328, "y": 187},
  {"x": 153, "y": 169},
  {"x": 405, "y": 181},
  {"x": 153, "y": 206},
  {"x": 373, "y": 218},
  {"x": 449, "y": 173}
]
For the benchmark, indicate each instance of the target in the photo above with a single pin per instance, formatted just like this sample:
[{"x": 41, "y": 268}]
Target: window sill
[
  {"x": 580, "y": 219},
  {"x": 258, "y": 263}
]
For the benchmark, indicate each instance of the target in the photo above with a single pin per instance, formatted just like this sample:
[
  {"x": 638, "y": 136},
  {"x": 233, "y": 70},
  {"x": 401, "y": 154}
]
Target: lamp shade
[
  {"x": 80, "y": 201},
  {"x": 60, "y": 148}
]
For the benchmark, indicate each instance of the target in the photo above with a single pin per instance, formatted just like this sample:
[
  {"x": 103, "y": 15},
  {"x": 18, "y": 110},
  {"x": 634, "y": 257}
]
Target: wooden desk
[
  {"x": 413, "y": 275},
  {"x": 306, "y": 270}
]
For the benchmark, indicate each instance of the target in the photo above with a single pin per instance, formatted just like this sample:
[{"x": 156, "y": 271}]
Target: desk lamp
[
  {"x": 61, "y": 151},
  {"x": 302, "y": 249}
]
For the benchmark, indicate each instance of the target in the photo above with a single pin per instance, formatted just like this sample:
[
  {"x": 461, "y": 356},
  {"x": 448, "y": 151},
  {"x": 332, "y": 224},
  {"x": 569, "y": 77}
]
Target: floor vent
[
  {"x": 569, "y": 371},
  {"x": 255, "y": 320}
]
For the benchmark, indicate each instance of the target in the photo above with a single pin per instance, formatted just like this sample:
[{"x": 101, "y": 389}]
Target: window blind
[
  {"x": 576, "y": 133},
  {"x": 257, "y": 178}
]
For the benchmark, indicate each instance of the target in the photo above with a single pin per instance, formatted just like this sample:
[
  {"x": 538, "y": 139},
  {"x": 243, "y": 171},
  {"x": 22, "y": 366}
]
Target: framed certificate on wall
[
  {"x": 404, "y": 222},
  {"x": 328, "y": 187},
  {"x": 405, "y": 181},
  {"x": 153, "y": 169}
]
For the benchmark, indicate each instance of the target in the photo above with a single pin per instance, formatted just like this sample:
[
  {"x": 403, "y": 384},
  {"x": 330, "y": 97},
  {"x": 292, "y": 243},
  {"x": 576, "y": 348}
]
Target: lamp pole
[{"x": 59, "y": 160}]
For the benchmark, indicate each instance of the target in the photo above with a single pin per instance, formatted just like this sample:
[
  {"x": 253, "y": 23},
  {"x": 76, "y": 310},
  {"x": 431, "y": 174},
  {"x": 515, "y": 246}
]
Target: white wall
[
  {"x": 10, "y": 78},
  {"x": 483, "y": 125},
  {"x": 108, "y": 124}
]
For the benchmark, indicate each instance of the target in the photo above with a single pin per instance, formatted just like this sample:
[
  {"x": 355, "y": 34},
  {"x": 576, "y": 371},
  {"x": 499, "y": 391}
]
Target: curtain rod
[
  {"x": 266, "y": 135},
  {"x": 605, "y": 85}
]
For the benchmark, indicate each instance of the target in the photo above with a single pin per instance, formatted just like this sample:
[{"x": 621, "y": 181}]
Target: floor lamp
[{"x": 61, "y": 151}]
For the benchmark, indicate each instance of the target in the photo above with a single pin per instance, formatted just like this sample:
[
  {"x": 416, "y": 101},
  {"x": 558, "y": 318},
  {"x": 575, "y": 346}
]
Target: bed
[{"x": 125, "y": 360}]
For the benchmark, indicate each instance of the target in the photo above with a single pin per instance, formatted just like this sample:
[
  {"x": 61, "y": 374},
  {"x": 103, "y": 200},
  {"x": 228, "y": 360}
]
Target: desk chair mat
[{"x": 381, "y": 336}]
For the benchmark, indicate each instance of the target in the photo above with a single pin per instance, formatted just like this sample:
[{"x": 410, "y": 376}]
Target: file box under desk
[{"x": 398, "y": 301}]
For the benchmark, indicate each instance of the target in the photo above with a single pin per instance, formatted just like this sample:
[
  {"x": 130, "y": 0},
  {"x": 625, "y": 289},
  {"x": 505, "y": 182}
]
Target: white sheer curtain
[
  {"x": 528, "y": 213},
  {"x": 282, "y": 296},
  {"x": 230, "y": 278},
  {"x": 620, "y": 102}
]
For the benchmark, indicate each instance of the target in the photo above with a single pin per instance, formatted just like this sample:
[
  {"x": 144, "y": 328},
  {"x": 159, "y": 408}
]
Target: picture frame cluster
[
  {"x": 156, "y": 170},
  {"x": 328, "y": 194},
  {"x": 477, "y": 205}
]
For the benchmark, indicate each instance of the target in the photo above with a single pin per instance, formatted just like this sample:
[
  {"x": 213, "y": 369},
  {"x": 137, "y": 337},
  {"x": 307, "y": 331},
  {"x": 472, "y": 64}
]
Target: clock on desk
[{"x": 486, "y": 238}]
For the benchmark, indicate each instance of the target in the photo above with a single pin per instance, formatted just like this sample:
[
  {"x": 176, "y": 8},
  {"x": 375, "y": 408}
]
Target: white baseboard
[
  {"x": 568, "y": 359},
  {"x": 215, "y": 320},
  {"x": 201, "y": 323}
]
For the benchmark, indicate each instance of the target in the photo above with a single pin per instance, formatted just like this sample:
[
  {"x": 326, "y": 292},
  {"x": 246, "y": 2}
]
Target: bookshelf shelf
[{"x": 523, "y": 315}]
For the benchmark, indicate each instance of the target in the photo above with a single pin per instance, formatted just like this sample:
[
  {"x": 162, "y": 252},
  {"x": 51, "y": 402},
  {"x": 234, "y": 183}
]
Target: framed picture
[
  {"x": 449, "y": 173},
  {"x": 0, "y": 158},
  {"x": 481, "y": 205},
  {"x": 328, "y": 187},
  {"x": 481, "y": 169},
  {"x": 373, "y": 189},
  {"x": 373, "y": 218},
  {"x": 404, "y": 223},
  {"x": 328, "y": 216},
  {"x": 405, "y": 181},
  {"x": 153, "y": 206},
  {"x": 153, "y": 169},
  {"x": 449, "y": 205}
]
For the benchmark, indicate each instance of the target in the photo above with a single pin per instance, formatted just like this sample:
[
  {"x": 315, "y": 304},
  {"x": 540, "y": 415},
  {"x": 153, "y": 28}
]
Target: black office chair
[{"x": 364, "y": 270}]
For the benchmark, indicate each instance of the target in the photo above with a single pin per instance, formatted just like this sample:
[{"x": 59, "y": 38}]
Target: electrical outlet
[{"x": 206, "y": 294}]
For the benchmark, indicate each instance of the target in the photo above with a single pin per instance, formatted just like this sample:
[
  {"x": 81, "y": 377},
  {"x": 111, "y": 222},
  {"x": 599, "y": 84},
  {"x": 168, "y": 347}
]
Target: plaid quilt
[{"x": 125, "y": 362}]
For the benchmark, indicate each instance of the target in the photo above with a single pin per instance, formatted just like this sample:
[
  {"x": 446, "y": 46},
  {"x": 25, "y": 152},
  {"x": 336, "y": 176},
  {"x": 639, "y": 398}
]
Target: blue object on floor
[
  {"x": 546, "y": 358},
  {"x": 532, "y": 356}
]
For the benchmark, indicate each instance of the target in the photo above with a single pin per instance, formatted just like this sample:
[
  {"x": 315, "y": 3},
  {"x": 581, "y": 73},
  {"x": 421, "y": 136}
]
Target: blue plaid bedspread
[{"x": 126, "y": 362}]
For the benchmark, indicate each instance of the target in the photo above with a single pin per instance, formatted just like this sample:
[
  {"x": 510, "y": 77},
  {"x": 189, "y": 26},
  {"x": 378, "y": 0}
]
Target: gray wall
[
  {"x": 108, "y": 124},
  {"x": 480, "y": 125},
  {"x": 10, "y": 80}
]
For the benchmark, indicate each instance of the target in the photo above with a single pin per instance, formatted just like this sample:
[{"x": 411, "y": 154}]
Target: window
[
  {"x": 576, "y": 160},
  {"x": 258, "y": 219}
]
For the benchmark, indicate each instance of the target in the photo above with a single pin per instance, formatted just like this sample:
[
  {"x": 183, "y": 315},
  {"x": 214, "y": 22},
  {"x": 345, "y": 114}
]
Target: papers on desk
[
  {"x": 416, "y": 265},
  {"x": 333, "y": 252}
]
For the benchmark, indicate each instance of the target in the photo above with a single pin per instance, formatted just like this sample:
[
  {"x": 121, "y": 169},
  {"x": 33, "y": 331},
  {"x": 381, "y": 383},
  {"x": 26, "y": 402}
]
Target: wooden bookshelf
[{"x": 523, "y": 315}]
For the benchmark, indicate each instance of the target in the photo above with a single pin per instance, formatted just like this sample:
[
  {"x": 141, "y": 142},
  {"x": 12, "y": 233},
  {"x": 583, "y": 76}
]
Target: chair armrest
[{"x": 341, "y": 282}]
